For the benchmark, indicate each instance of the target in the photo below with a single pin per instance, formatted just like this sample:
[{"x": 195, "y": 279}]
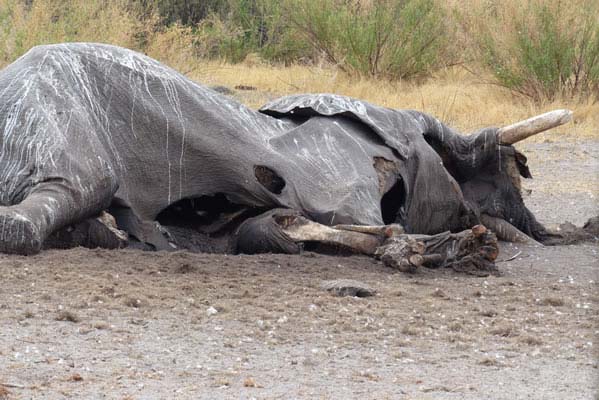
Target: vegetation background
[{"x": 472, "y": 63}]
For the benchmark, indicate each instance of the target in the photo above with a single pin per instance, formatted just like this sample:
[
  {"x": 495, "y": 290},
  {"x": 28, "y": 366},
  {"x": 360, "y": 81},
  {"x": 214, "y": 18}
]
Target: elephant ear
[{"x": 521, "y": 164}]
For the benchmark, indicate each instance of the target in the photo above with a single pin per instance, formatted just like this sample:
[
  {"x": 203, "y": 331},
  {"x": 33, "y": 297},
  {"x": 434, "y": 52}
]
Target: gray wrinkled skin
[{"x": 84, "y": 126}]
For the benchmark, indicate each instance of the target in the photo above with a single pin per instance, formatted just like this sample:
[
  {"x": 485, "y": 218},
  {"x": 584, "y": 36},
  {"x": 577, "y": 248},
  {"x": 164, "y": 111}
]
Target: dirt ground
[{"x": 95, "y": 324}]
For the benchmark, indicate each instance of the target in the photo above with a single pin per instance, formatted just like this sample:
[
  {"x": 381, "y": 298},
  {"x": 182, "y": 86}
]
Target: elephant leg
[
  {"x": 284, "y": 231},
  {"x": 49, "y": 206}
]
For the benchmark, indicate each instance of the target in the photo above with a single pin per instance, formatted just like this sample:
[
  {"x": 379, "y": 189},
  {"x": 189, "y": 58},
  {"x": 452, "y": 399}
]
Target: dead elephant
[{"x": 91, "y": 129}]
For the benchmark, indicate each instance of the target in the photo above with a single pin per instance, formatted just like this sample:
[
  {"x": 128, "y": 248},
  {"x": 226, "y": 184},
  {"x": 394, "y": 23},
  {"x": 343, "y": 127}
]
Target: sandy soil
[{"x": 131, "y": 325}]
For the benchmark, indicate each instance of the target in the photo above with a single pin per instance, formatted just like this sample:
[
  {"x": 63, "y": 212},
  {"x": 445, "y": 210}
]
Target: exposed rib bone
[
  {"x": 506, "y": 231},
  {"x": 303, "y": 230},
  {"x": 383, "y": 230},
  {"x": 521, "y": 130}
]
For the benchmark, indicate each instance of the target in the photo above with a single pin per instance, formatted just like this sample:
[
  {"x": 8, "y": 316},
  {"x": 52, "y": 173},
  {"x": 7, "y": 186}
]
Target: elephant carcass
[{"x": 86, "y": 128}]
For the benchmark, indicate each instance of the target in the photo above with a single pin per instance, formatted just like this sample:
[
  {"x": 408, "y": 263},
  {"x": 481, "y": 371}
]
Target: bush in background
[
  {"x": 231, "y": 29},
  {"x": 182, "y": 12},
  {"x": 387, "y": 38},
  {"x": 243, "y": 27},
  {"x": 383, "y": 38},
  {"x": 542, "y": 49}
]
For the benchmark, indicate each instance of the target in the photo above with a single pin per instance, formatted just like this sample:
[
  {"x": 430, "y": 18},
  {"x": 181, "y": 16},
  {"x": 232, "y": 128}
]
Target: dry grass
[
  {"x": 23, "y": 26},
  {"x": 453, "y": 95}
]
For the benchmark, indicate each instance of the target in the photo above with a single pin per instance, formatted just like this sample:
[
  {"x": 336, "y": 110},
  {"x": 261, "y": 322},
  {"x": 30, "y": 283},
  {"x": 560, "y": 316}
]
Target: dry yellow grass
[
  {"x": 23, "y": 26},
  {"x": 453, "y": 95}
]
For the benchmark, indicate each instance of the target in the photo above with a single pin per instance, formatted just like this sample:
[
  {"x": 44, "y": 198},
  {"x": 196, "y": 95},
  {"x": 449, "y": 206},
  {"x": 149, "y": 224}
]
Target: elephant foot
[{"x": 18, "y": 234}]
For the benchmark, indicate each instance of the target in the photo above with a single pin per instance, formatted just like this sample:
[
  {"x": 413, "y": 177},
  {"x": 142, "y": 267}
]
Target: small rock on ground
[{"x": 348, "y": 287}]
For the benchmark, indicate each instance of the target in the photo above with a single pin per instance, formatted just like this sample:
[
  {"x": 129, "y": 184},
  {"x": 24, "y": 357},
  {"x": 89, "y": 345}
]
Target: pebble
[
  {"x": 348, "y": 287},
  {"x": 211, "y": 311}
]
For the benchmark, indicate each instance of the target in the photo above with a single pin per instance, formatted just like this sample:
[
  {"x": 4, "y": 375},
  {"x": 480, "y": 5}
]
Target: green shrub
[
  {"x": 388, "y": 38},
  {"x": 249, "y": 26},
  {"x": 184, "y": 12},
  {"x": 544, "y": 50}
]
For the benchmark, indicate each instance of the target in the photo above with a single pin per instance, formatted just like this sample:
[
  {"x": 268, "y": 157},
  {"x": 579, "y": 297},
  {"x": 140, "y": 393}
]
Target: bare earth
[{"x": 98, "y": 324}]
